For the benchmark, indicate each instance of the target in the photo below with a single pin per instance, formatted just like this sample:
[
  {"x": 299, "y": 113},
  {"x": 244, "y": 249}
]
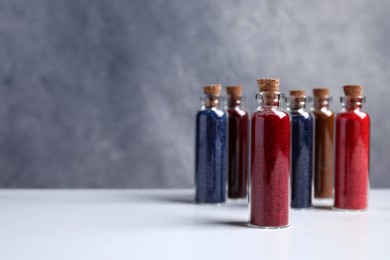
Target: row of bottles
[{"x": 295, "y": 143}]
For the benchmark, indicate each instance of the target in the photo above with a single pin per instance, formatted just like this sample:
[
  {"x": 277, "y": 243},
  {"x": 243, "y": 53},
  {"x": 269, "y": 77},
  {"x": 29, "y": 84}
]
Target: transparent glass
[
  {"x": 302, "y": 146},
  {"x": 297, "y": 103},
  {"x": 323, "y": 154},
  {"x": 238, "y": 147},
  {"x": 234, "y": 102},
  {"x": 211, "y": 149},
  {"x": 321, "y": 102},
  {"x": 352, "y": 103},
  {"x": 270, "y": 99},
  {"x": 352, "y": 159},
  {"x": 270, "y": 163},
  {"x": 211, "y": 101}
]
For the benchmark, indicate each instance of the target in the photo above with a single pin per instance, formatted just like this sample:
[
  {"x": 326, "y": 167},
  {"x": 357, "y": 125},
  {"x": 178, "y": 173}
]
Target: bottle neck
[
  {"x": 321, "y": 102},
  {"x": 352, "y": 103},
  {"x": 234, "y": 102},
  {"x": 210, "y": 101},
  {"x": 297, "y": 103},
  {"x": 270, "y": 99}
]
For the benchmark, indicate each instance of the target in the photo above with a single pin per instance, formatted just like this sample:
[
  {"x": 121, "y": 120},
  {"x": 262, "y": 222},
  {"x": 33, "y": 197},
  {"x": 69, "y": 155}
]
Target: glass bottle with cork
[
  {"x": 323, "y": 153},
  {"x": 302, "y": 127},
  {"x": 210, "y": 162},
  {"x": 238, "y": 125},
  {"x": 270, "y": 159},
  {"x": 352, "y": 159}
]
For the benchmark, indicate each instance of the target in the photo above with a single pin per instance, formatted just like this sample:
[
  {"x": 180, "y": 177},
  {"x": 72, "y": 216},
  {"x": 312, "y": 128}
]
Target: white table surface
[{"x": 166, "y": 224}]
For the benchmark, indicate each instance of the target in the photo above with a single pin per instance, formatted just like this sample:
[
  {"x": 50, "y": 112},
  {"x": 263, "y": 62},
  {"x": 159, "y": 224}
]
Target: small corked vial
[
  {"x": 211, "y": 148},
  {"x": 352, "y": 148},
  {"x": 238, "y": 141},
  {"x": 302, "y": 127},
  {"x": 270, "y": 159},
  {"x": 324, "y": 145}
]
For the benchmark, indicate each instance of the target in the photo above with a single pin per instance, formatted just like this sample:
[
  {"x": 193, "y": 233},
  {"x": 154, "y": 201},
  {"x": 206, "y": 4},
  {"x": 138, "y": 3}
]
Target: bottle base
[
  {"x": 302, "y": 209},
  {"x": 323, "y": 202},
  {"x": 267, "y": 227},
  {"x": 238, "y": 199},
  {"x": 350, "y": 210},
  {"x": 210, "y": 203}
]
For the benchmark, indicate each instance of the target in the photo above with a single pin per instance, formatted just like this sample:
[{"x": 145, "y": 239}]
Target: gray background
[{"x": 104, "y": 93}]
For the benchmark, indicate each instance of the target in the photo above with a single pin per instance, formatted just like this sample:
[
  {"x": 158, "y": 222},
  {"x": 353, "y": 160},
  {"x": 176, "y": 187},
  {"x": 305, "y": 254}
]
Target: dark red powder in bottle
[
  {"x": 352, "y": 155},
  {"x": 238, "y": 125},
  {"x": 270, "y": 164}
]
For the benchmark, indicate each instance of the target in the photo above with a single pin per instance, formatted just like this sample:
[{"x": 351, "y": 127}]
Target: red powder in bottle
[
  {"x": 352, "y": 160},
  {"x": 270, "y": 168}
]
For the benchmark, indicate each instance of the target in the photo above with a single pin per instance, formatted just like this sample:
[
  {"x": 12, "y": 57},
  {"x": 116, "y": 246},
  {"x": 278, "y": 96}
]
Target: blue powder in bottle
[
  {"x": 302, "y": 126},
  {"x": 210, "y": 172}
]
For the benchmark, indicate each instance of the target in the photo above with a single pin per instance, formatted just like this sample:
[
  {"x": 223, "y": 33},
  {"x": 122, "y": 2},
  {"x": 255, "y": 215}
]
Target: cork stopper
[
  {"x": 234, "y": 91},
  {"x": 353, "y": 90},
  {"x": 212, "y": 89},
  {"x": 321, "y": 92},
  {"x": 297, "y": 93},
  {"x": 268, "y": 85}
]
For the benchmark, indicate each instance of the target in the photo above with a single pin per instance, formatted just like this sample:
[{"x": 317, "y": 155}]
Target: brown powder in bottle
[{"x": 324, "y": 126}]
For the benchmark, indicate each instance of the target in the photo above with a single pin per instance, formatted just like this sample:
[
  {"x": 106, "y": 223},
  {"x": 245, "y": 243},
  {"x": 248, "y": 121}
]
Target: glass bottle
[
  {"x": 238, "y": 125},
  {"x": 210, "y": 169},
  {"x": 270, "y": 159},
  {"x": 302, "y": 127},
  {"x": 323, "y": 137},
  {"x": 352, "y": 152}
]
